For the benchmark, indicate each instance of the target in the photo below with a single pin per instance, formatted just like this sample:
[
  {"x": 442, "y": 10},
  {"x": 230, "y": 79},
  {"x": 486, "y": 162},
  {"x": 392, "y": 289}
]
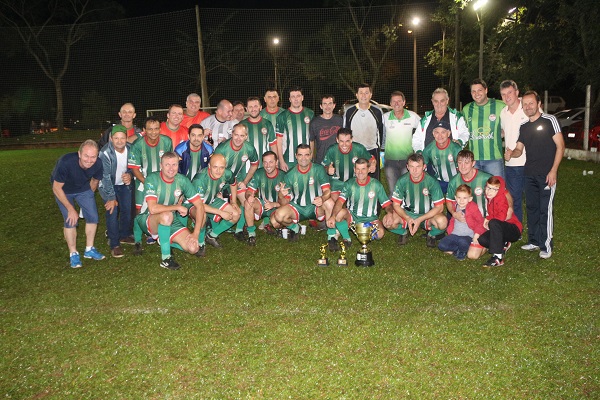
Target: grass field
[{"x": 266, "y": 322}]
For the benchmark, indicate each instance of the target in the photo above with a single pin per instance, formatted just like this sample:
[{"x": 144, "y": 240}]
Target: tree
[{"x": 38, "y": 26}]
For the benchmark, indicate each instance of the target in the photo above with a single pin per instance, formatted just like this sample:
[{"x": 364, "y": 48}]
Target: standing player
[
  {"x": 304, "y": 194},
  {"x": 293, "y": 128},
  {"x": 210, "y": 184},
  {"x": 145, "y": 155},
  {"x": 193, "y": 153},
  {"x": 260, "y": 131},
  {"x": 545, "y": 149},
  {"x": 75, "y": 178},
  {"x": 324, "y": 128},
  {"x": 441, "y": 154},
  {"x": 239, "y": 111},
  {"x": 126, "y": 117},
  {"x": 398, "y": 127},
  {"x": 172, "y": 128},
  {"x": 220, "y": 125},
  {"x": 272, "y": 109},
  {"x": 163, "y": 192},
  {"x": 262, "y": 194},
  {"x": 192, "y": 114},
  {"x": 483, "y": 120},
  {"x": 418, "y": 202},
  {"x": 362, "y": 195}
]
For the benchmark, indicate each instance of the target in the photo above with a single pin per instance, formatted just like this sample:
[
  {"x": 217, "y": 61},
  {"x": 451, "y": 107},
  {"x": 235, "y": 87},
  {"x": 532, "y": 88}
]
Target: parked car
[
  {"x": 567, "y": 118},
  {"x": 555, "y": 103},
  {"x": 575, "y": 134}
]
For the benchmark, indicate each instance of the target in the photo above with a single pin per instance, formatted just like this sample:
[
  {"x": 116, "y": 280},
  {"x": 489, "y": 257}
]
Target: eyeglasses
[{"x": 491, "y": 188}]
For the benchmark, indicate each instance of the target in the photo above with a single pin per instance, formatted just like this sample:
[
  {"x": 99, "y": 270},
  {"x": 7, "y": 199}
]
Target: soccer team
[{"x": 184, "y": 182}]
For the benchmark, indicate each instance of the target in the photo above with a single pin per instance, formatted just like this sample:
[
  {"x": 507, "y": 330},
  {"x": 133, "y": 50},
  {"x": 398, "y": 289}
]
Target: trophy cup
[
  {"x": 365, "y": 232},
  {"x": 323, "y": 261},
  {"x": 342, "y": 261}
]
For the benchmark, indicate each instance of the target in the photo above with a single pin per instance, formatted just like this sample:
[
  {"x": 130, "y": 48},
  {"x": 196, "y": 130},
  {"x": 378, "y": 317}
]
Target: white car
[
  {"x": 567, "y": 118},
  {"x": 555, "y": 103}
]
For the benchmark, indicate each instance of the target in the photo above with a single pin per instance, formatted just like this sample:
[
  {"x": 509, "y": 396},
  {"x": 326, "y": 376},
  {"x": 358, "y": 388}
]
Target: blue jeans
[
  {"x": 458, "y": 245},
  {"x": 394, "y": 169},
  {"x": 118, "y": 223},
  {"x": 492, "y": 167},
  {"x": 514, "y": 184},
  {"x": 86, "y": 201}
]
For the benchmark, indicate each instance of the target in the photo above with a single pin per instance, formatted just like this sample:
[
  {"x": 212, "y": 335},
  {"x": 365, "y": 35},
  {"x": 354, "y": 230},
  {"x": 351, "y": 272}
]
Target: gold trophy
[
  {"x": 365, "y": 232},
  {"x": 323, "y": 261},
  {"x": 342, "y": 261}
]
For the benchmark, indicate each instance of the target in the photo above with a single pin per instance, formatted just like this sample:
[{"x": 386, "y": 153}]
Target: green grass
[{"x": 266, "y": 322}]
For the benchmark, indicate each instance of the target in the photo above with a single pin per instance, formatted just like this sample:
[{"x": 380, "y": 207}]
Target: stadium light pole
[
  {"x": 415, "y": 22},
  {"x": 274, "y": 51},
  {"x": 478, "y": 5}
]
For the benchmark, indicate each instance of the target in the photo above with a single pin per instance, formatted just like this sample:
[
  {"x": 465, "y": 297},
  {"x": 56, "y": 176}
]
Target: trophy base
[
  {"x": 323, "y": 262},
  {"x": 364, "y": 259},
  {"x": 342, "y": 262}
]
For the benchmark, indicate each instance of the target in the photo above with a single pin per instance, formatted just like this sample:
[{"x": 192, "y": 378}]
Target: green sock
[
  {"x": 251, "y": 231},
  {"x": 137, "y": 230},
  {"x": 342, "y": 226},
  {"x": 294, "y": 227},
  {"x": 241, "y": 222},
  {"x": 399, "y": 230},
  {"x": 435, "y": 231},
  {"x": 202, "y": 236},
  {"x": 220, "y": 227},
  {"x": 330, "y": 233},
  {"x": 266, "y": 220},
  {"x": 164, "y": 234}
]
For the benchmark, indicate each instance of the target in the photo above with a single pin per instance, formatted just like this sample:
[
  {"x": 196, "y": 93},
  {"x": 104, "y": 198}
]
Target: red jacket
[
  {"x": 497, "y": 208},
  {"x": 473, "y": 217}
]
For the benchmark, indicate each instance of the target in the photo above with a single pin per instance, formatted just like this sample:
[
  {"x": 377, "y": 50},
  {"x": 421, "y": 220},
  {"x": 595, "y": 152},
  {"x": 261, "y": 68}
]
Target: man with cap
[
  {"x": 115, "y": 189},
  {"x": 441, "y": 154}
]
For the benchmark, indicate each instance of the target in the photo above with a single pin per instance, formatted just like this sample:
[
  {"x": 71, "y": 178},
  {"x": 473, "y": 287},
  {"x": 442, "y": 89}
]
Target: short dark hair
[
  {"x": 151, "y": 118},
  {"x": 235, "y": 103},
  {"x": 343, "y": 131},
  {"x": 361, "y": 161},
  {"x": 302, "y": 146},
  {"x": 415, "y": 157},
  {"x": 362, "y": 86},
  {"x": 327, "y": 96},
  {"x": 479, "y": 81},
  {"x": 269, "y": 153},
  {"x": 533, "y": 93},
  {"x": 466, "y": 154},
  {"x": 297, "y": 89},
  {"x": 464, "y": 188},
  {"x": 398, "y": 93},
  {"x": 271, "y": 89},
  {"x": 195, "y": 126},
  {"x": 252, "y": 98},
  {"x": 508, "y": 83}
]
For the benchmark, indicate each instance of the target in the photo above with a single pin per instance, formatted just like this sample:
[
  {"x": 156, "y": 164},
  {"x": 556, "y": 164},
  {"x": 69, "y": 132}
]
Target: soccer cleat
[
  {"x": 169, "y": 263},
  {"x": 530, "y": 247},
  {"x": 431, "y": 242},
  {"x": 251, "y": 241},
  {"x": 127, "y": 240},
  {"x": 240, "y": 236},
  {"x": 333, "y": 245},
  {"x": 94, "y": 254},
  {"x": 270, "y": 230},
  {"x": 201, "y": 251},
  {"x": 117, "y": 252},
  {"x": 507, "y": 246},
  {"x": 137, "y": 250},
  {"x": 347, "y": 243},
  {"x": 320, "y": 226},
  {"x": 213, "y": 241},
  {"x": 545, "y": 254},
  {"x": 75, "y": 260},
  {"x": 150, "y": 240},
  {"x": 262, "y": 225},
  {"x": 402, "y": 239},
  {"x": 293, "y": 236},
  {"x": 494, "y": 262}
]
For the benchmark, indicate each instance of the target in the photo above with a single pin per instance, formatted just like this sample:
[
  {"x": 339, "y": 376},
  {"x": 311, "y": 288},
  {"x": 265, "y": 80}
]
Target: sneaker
[
  {"x": 94, "y": 254},
  {"x": 320, "y": 226},
  {"x": 270, "y": 230},
  {"x": 402, "y": 239},
  {"x": 494, "y": 262},
  {"x": 460, "y": 255},
  {"x": 150, "y": 240},
  {"x": 530, "y": 247},
  {"x": 251, "y": 241},
  {"x": 240, "y": 236},
  {"x": 545, "y": 254},
  {"x": 117, "y": 252},
  {"x": 431, "y": 242},
  {"x": 507, "y": 246},
  {"x": 293, "y": 236},
  {"x": 201, "y": 251},
  {"x": 169, "y": 263},
  {"x": 137, "y": 250},
  {"x": 75, "y": 260},
  {"x": 347, "y": 243},
  {"x": 127, "y": 240},
  {"x": 213, "y": 241},
  {"x": 333, "y": 245}
]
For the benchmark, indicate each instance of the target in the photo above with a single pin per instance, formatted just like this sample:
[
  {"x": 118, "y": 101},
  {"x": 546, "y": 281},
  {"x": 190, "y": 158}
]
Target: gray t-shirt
[{"x": 324, "y": 132}]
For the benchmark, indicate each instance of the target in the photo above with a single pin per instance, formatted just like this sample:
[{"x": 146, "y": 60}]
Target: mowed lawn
[{"x": 267, "y": 322}]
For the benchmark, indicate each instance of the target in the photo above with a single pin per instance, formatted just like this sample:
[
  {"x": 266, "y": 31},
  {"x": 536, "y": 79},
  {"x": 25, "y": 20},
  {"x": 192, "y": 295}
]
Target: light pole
[
  {"x": 415, "y": 22},
  {"x": 478, "y": 5},
  {"x": 275, "y": 45}
]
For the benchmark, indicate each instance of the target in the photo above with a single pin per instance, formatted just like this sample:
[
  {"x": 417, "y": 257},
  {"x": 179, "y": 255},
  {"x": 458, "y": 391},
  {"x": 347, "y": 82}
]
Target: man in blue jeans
[
  {"x": 115, "y": 189},
  {"x": 74, "y": 179}
]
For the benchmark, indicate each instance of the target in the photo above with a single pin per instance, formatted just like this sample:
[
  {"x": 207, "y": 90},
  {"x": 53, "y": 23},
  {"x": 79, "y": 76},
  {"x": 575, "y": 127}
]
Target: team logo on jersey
[
  {"x": 478, "y": 191},
  {"x": 425, "y": 192},
  {"x": 244, "y": 158},
  {"x": 450, "y": 158},
  {"x": 306, "y": 120},
  {"x": 371, "y": 194},
  {"x": 311, "y": 180},
  {"x": 160, "y": 153},
  {"x": 354, "y": 160},
  {"x": 492, "y": 117},
  {"x": 278, "y": 187},
  {"x": 263, "y": 131},
  {"x": 177, "y": 193},
  {"x": 149, "y": 186}
]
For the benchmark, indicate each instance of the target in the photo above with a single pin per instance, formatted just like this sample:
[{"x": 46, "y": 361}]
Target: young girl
[
  {"x": 461, "y": 231},
  {"x": 500, "y": 230}
]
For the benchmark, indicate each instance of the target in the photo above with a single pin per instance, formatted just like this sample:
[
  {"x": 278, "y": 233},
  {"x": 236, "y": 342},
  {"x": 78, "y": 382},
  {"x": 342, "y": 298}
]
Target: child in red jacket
[
  {"x": 501, "y": 231},
  {"x": 461, "y": 231}
]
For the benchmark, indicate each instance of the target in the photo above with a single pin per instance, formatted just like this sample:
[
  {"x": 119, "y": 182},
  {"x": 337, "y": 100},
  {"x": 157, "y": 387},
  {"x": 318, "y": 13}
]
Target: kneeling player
[
  {"x": 162, "y": 193},
  {"x": 418, "y": 202},
  {"x": 362, "y": 194}
]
